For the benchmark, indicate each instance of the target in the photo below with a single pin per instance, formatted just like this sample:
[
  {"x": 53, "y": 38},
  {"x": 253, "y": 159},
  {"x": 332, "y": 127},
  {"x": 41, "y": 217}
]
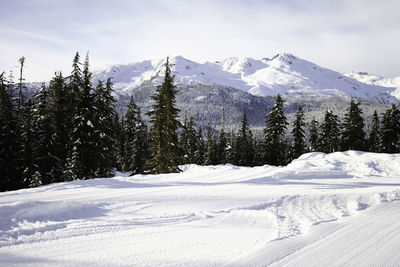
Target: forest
[{"x": 70, "y": 130}]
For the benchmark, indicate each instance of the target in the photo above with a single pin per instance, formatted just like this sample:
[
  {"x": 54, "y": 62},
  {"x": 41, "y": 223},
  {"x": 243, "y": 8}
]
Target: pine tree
[
  {"x": 232, "y": 152},
  {"x": 353, "y": 136},
  {"x": 274, "y": 145},
  {"x": 75, "y": 83},
  {"x": 105, "y": 119},
  {"x": 222, "y": 142},
  {"x": 60, "y": 118},
  {"x": 36, "y": 180},
  {"x": 245, "y": 143},
  {"x": 83, "y": 136},
  {"x": 27, "y": 144},
  {"x": 314, "y": 135},
  {"x": 258, "y": 152},
  {"x": 189, "y": 142},
  {"x": 211, "y": 157},
  {"x": 391, "y": 130},
  {"x": 21, "y": 86},
  {"x": 119, "y": 145},
  {"x": 374, "y": 135},
  {"x": 45, "y": 160},
  {"x": 164, "y": 146},
  {"x": 73, "y": 167},
  {"x": 136, "y": 150},
  {"x": 298, "y": 133},
  {"x": 10, "y": 156},
  {"x": 200, "y": 148},
  {"x": 330, "y": 133}
]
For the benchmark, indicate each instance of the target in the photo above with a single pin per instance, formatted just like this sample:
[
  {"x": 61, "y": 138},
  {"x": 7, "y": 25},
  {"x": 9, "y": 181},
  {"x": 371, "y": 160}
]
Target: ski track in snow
[{"x": 337, "y": 209}]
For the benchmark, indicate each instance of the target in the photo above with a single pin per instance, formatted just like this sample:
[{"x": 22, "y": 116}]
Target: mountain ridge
[{"x": 283, "y": 74}]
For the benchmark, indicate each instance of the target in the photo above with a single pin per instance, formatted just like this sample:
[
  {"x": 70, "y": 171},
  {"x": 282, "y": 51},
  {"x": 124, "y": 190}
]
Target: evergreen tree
[
  {"x": 200, "y": 148},
  {"x": 391, "y": 130},
  {"x": 353, "y": 136},
  {"x": 211, "y": 157},
  {"x": 258, "y": 152},
  {"x": 36, "y": 180},
  {"x": 28, "y": 162},
  {"x": 60, "y": 119},
  {"x": 245, "y": 143},
  {"x": 314, "y": 135},
  {"x": 73, "y": 167},
  {"x": 298, "y": 147},
  {"x": 83, "y": 136},
  {"x": 273, "y": 142},
  {"x": 189, "y": 142},
  {"x": 329, "y": 140},
  {"x": 222, "y": 142},
  {"x": 119, "y": 145},
  {"x": 105, "y": 119},
  {"x": 45, "y": 160},
  {"x": 10, "y": 149},
  {"x": 164, "y": 146},
  {"x": 75, "y": 83},
  {"x": 21, "y": 86},
  {"x": 136, "y": 150},
  {"x": 232, "y": 152},
  {"x": 374, "y": 135}
]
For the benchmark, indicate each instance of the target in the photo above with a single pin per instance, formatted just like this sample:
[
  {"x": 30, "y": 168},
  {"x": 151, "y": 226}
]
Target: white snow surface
[
  {"x": 338, "y": 209},
  {"x": 283, "y": 74},
  {"x": 372, "y": 79}
]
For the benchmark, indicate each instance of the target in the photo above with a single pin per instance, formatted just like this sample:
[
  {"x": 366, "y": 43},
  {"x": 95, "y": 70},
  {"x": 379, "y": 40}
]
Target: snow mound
[{"x": 350, "y": 164}]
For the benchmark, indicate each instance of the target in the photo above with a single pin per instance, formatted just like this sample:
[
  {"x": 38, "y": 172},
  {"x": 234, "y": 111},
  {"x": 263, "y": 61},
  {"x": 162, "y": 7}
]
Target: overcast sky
[{"x": 343, "y": 35}]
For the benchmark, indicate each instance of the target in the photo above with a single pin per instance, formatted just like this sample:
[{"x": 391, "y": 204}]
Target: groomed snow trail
[
  {"x": 370, "y": 239},
  {"x": 322, "y": 209}
]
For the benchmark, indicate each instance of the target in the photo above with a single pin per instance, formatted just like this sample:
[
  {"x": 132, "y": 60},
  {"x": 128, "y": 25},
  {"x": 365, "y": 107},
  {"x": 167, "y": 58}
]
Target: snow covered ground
[{"x": 339, "y": 209}]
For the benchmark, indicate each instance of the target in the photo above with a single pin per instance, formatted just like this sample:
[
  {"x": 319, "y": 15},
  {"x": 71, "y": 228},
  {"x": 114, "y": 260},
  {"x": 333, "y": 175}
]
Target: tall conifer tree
[
  {"x": 45, "y": 159},
  {"x": 374, "y": 139},
  {"x": 60, "y": 117},
  {"x": 164, "y": 146},
  {"x": 189, "y": 142},
  {"x": 330, "y": 133},
  {"x": 391, "y": 130},
  {"x": 211, "y": 156},
  {"x": 222, "y": 142},
  {"x": 274, "y": 145},
  {"x": 105, "y": 119},
  {"x": 200, "y": 147},
  {"x": 314, "y": 135},
  {"x": 10, "y": 146},
  {"x": 298, "y": 133},
  {"x": 245, "y": 143},
  {"x": 136, "y": 150},
  {"x": 353, "y": 136}
]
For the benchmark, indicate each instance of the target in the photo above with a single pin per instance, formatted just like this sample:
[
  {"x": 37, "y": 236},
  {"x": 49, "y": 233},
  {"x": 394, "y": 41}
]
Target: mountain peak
[
  {"x": 283, "y": 57},
  {"x": 283, "y": 74}
]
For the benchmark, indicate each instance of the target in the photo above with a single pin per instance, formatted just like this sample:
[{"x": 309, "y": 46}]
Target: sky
[{"x": 343, "y": 35}]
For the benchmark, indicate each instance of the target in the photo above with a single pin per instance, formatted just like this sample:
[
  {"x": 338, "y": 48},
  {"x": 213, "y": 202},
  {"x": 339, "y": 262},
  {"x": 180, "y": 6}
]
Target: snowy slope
[
  {"x": 283, "y": 74},
  {"x": 341, "y": 208},
  {"x": 371, "y": 79}
]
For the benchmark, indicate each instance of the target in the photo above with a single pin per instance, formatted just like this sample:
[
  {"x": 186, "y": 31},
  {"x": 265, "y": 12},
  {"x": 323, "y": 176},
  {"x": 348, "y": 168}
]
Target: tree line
[{"x": 70, "y": 130}]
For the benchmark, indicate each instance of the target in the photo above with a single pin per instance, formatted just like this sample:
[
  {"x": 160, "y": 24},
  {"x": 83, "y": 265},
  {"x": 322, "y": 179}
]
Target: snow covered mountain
[
  {"x": 282, "y": 74},
  {"x": 371, "y": 79}
]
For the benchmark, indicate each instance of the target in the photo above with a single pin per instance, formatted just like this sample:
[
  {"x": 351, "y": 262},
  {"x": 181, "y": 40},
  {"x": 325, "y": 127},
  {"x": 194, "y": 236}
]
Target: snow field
[{"x": 208, "y": 215}]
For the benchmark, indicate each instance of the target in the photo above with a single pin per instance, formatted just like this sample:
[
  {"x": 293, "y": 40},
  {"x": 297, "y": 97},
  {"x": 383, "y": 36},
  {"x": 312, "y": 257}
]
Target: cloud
[{"x": 342, "y": 35}]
